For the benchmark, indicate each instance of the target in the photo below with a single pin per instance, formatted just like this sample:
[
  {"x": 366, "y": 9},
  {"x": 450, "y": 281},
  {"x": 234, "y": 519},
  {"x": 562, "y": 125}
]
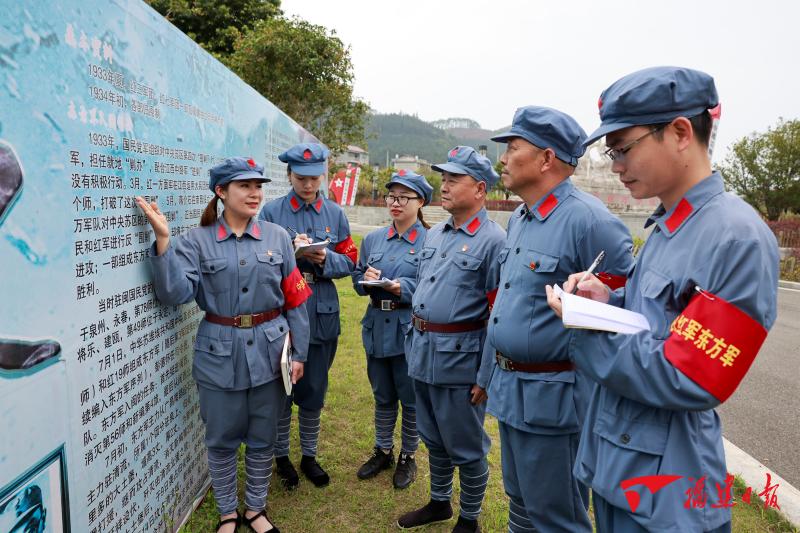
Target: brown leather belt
[
  {"x": 457, "y": 327},
  {"x": 244, "y": 321},
  {"x": 532, "y": 368},
  {"x": 388, "y": 305}
]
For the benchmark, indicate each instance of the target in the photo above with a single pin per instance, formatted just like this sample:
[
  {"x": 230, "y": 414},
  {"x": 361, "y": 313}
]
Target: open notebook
[
  {"x": 580, "y": 312},
  {"x": 311, "y": 247}
]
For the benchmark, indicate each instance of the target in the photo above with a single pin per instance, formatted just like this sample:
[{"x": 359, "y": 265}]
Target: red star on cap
[
  {"x": 307, "y": 154},
  {"x": 251, "y": 162},
  {"x": 402, "y": 173},
  {"x": 600, "y": 103},
  {"x": 453, "y": 152}
]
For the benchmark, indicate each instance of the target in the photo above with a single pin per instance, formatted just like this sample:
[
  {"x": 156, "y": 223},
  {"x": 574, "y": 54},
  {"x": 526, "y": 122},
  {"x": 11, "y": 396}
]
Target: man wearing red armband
[{"x": 706, "y": 279}]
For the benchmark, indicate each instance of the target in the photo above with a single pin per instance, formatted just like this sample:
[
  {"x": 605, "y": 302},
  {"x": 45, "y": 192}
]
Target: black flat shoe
[
  {"x": 249, "y": 523},
  {"x": 236, "y": 519},
  {"x": 466, "y": 526},
  {"x": 434, "y": 511},
  {"x": 313, "y": 471},
  {"x": 286, "y": 471},
  {"x": 378, "y": 462}
]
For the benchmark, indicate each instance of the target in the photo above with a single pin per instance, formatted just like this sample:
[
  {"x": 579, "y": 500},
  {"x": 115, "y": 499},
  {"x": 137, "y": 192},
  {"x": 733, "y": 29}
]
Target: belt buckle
[
  {"x": 309, "y": 277},
  {"x": 386, "y": 305},
  {"x": 419, "y": 324},
  {"x": 245, "y": 321},
  {"x": 502, "y": 362}
]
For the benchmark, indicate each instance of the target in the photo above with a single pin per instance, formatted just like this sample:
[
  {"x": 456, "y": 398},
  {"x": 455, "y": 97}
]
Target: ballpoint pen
[{"x": 590, "y": 270}]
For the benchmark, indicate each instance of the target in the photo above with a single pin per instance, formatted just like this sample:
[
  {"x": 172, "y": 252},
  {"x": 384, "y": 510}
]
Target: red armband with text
[
  {"x": 612, "y": 281},
  {"x": 714, "y": 343},
  {"x": 295, "y": 290},
  {"x": 348, "y": 247}
]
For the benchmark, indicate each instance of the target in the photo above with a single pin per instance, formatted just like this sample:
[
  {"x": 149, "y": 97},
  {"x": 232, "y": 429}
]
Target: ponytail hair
[
  {"x": 209, "y": 215},
  {"x": 422, "y": 219}
]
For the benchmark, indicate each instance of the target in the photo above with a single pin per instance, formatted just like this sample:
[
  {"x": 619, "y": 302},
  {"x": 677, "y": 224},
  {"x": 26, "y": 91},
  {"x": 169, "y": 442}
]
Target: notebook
[
  {"x": 580, "y": 312},
  {"x": 311, "y": 247},
  {"x": 286, "y": 364}
]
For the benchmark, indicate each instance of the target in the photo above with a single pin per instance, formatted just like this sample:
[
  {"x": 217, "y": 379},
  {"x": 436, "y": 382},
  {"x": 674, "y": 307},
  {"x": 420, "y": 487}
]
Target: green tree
[
  {"x": 215, "y": 25},
  {"x": 500, "y": 188},
  {"x": 764, "y": 169},
  {"x": 308, "y": 73}
]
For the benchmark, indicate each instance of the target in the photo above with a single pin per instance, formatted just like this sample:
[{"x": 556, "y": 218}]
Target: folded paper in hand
[
  {"x": 311, "y": 247},
  {"x": 383, "y": 282},
  {"x": 580, "y": 312},
  {"x": 286, "y": 364}
]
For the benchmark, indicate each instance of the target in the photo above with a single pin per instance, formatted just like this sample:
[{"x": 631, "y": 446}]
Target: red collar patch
[
  {"x": 391, "y": 232},
  {"x": 547, "y": 206},
  {"x": 256, "y": 231},
  {"x": 221, "y": 233},
  {"x": 677, "y": 217},
  {"x": 473, "y": 226},
  {"x": 412, "y": 235},
  {"x": 307, "y": 154},
  {"x": 294, "y": 202},
  {"x": 318, "y": 204}
]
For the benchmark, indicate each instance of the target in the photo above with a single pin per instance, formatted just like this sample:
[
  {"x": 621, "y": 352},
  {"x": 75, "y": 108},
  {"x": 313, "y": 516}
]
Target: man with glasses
[
  {"x": 535, "y": 392},
  {"x": 706, "y": 279},
  {"x": 456, "y": 284}
]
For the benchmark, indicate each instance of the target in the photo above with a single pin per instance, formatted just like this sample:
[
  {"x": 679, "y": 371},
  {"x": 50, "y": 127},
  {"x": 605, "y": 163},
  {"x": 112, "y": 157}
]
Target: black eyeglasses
[
  {"x": 402, "y": 201},
  {"x": 616, "y": 154}
]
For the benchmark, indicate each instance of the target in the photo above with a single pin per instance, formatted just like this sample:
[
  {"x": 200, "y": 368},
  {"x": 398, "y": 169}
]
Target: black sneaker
[
  {"x": 313, "y": 471},
  {"x": 379, "y": 461},
  {"x": 285, "y": 470},
  {"x": 465, "y": 525},
  {"x": 434, "y": 511},
  {"x": 406, "y": 471}
]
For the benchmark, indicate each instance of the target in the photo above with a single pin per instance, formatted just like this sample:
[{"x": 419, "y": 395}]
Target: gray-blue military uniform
[
  {"x": 388, "y": 318},
  {"x": 535, "y": 392},
  {"x": 248, "y": 282},
  {"x": 457, "y": 281},
  {"x": 653, "y": 413},
  {"x": 321, "y": 219}
]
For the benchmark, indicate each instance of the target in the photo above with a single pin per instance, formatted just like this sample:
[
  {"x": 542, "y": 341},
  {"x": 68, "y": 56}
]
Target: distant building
[
  {"x": 354, "y": 155},
  {"x": 451, "y": 123},
  {"x": 411, "y": 162},
  {"x": 593, "y": 175}
]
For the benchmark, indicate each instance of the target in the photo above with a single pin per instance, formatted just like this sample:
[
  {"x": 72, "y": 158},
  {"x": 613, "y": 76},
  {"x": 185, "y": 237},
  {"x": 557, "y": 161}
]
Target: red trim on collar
[
  {"x": 256, "y": 230},
  {"x": 412, "y": 235},
  {"x": 318, "y": 204},
  {"x": 391, "y": 232},
  {"x": 294, "y": 202},
  {"x": 677, "y": 217},
  {"x": 547, "y": 206},
  {"x": 474, "y": 225},
  {"x": 221, "y": 233}
]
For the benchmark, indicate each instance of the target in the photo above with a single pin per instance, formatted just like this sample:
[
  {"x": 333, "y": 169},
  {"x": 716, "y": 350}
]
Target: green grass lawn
[{"x": 349, "y": 504}]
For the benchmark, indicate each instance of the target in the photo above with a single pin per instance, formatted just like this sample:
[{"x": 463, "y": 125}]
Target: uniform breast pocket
[
  {"x": 374, "y": 259},
  {"x": 325, "y": 233},
  {"x": 216, "y": 275},
  {"x": 408, "y": 268},
  {"x": 425, "y": 258},
  {"x": 545, "y": 269},
  {"x": 270, "y": 267},
  {"x": 656, "y": 290},
  {"x": 468, "y": 270}
]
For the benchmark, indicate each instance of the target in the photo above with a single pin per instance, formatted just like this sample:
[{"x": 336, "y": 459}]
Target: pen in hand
[{"x": 589, "y": 271}]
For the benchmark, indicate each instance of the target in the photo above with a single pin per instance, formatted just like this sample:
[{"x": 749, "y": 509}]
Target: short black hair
[{"x": 701, "y": 124}]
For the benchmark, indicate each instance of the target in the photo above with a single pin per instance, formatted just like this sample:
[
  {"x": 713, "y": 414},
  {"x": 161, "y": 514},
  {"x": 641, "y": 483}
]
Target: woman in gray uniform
[{"x": 241, "y": 271}]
